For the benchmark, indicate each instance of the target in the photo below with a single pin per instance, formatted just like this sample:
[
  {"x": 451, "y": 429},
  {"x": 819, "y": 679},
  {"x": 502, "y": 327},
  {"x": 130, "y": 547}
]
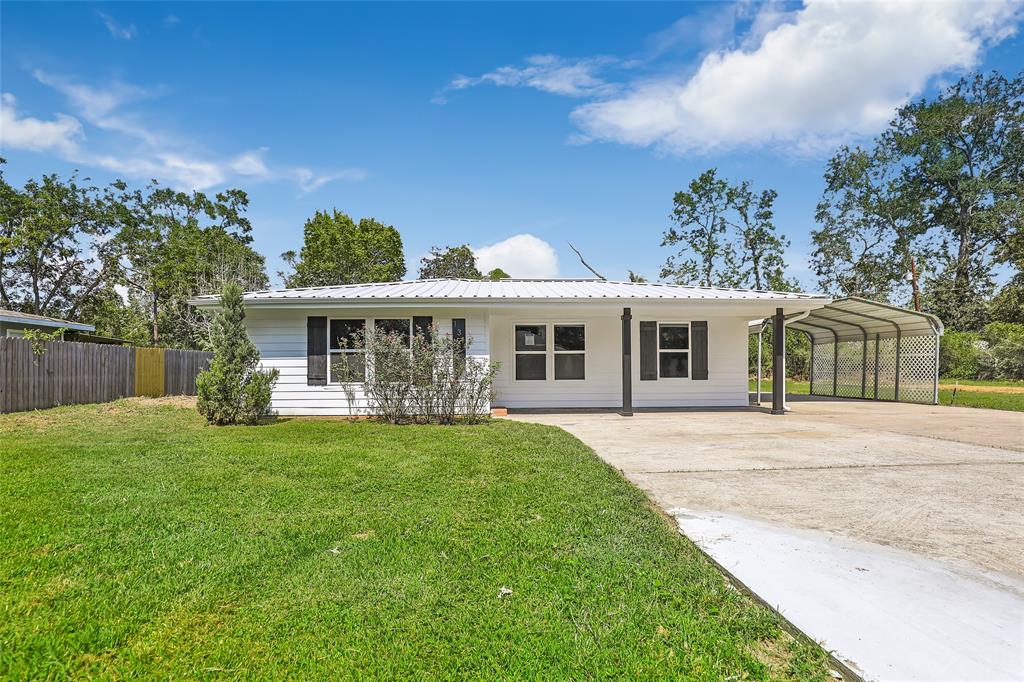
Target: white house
[{"x": 562, "y": 343}]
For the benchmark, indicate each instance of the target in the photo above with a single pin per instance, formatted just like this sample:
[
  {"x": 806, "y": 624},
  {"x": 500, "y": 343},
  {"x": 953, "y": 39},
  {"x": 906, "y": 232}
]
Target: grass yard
[
  {"x": 1003, "y": 395},
  {"x": 136, "y": 542}
]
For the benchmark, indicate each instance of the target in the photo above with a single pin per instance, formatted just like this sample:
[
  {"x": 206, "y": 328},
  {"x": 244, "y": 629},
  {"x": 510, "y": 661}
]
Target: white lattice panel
[{"x": 917, "y": 369}]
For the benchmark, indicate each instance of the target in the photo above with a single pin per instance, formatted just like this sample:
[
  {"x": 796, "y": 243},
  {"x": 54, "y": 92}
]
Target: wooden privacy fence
[{"x": 67, "y": 373}]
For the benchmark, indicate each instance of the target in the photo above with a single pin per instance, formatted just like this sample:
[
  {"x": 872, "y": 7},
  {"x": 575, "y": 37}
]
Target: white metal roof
[
  {"x": 516, "y": 289},
  {"x": 853, "y": 318},
  {"x": 17, "y": 317}
]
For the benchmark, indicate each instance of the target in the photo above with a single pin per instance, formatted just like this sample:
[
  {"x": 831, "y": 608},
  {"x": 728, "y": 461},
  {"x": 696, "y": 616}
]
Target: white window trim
[
  {"x": 343, "y": 351},
  {"x": 549, "y": 352},
  {"x": 688, "y": 350}
]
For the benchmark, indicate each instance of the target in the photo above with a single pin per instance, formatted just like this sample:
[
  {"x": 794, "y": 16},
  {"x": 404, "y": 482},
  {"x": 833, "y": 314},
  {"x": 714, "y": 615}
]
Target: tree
[
  {"x": 233, "y": 390},
  {"x": 761, "y": 248},
  {"x": 336, "y": 251},
  {"x": 873, "y": 228},
  {"x": 56, "y": 245},
  {"x": 449, "y": 261},
  {"x": 705, "y": 256},
  {"x": 497, "y": 273},
  {"x": 635, "y": 277},
  {"x": 177, "y": 245},
  {"x": 727, "y": 235}
]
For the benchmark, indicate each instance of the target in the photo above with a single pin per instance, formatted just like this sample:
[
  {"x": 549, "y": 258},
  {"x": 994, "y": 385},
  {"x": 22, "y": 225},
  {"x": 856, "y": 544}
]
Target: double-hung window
[
  {"x": 673, "y": 350},
  {"x": 565, "y": 344},
  {"x": 570, "y": 351},
  {"x": 401, "y": 326},
  {"x": 347, "y": 354},
  {"x": 531, "y": 352}
]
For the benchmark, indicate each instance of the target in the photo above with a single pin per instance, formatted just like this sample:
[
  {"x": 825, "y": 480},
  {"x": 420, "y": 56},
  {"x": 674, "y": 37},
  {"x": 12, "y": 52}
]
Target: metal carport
[{"x": 870, "y": 350}]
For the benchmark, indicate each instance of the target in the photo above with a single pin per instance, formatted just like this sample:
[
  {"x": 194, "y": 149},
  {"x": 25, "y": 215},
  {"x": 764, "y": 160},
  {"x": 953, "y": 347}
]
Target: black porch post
[
  {"x": 778, "y": 362},
  {"x": 627, "y": 363}
]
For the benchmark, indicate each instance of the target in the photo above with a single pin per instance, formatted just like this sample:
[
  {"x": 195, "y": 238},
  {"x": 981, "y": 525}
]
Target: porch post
[
  {"x": 778, "y": 362},
  {"x": 627, "y": 363}
]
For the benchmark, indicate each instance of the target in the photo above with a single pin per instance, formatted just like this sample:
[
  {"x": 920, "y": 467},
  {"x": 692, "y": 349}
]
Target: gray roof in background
[
  {"x": 517, "y": 289},
  {"x": 28, "y": 319}
]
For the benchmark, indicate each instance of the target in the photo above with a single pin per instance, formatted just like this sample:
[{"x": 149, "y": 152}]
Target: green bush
[
  {"x": 1006, "y": 349},
  {"x": 233, "y": 390},
  {"x": 960, "y": 355}
]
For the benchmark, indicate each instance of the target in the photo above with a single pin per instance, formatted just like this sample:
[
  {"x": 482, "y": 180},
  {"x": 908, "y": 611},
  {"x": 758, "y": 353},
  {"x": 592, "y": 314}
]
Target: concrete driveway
[{"x": 892, "y": 532}]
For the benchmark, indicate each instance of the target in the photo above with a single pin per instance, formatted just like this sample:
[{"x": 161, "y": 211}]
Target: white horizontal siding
[
  {"x": 280, "y": 336},
  {"x": 727, "y": 365}
]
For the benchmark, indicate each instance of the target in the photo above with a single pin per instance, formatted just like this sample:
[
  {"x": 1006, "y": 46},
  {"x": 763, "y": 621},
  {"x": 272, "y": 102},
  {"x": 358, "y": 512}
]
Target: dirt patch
[{"x": 982, "y": 389}]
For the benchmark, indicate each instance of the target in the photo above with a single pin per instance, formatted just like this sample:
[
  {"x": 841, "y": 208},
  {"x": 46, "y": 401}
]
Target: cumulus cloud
[
  {"x": 138, "y": 150},
  {"x": 544, "y": 72},
  {"x": 521, "y": 255},
  {"x": 61, "y": 134},
  {"x": 116, "y": 28},
  {"x": 826, "y": 72}
]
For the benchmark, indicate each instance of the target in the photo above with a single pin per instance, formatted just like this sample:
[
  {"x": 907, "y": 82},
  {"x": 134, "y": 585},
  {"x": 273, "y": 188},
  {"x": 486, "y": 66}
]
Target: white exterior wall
[
  {"x": 280, "y": 336},
  {"x": 726, "y": 384}
]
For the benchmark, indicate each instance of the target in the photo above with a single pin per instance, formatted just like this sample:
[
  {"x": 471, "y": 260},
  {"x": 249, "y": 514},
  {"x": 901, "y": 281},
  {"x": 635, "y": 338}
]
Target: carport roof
[{"x": 849, "y": 319}]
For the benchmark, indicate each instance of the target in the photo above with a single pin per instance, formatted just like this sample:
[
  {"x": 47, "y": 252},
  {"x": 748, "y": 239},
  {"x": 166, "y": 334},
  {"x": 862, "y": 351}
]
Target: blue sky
[{"x": 478, "y": 122}]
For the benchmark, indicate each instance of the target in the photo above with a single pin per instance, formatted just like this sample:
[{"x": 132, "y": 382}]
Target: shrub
[
  {"x": 427, "y": 379},
  {"x": 233, "y": 390},
  {"x": 1006, "y": 347},
  {"x": 960, "y": 355}
]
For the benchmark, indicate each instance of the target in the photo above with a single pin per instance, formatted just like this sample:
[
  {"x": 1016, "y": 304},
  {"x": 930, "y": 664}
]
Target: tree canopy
[
  {"x": 939, "y": 191},
  {"x": 726, "y": 236},
  {"x": 449, "y": 261},
  {"x": 336, "y": 250}
]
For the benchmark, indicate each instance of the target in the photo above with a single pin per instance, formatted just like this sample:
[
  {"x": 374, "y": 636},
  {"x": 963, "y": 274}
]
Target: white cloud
[
  {"x": 138, "y": 151},
  {"x": 827, "y": 72},
  {"x": 117, "y": 29},
  {"x": 171, "y": 20},
  {"x": 545, "y": 72},
  {"x": 61, "y": 135},
  {"x": 310, "y": 181},
  {"x": 521, "y": 255}
]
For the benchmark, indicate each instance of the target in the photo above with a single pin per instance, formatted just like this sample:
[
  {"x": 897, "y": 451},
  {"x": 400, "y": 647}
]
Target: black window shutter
[
  {"x": 699, "y": 344},
  {"x": 459, "y": 336},
  {"x": 648, "y": 351},
  {"x": 422, "y": 326},
  {"x": 316, "y": 351}
]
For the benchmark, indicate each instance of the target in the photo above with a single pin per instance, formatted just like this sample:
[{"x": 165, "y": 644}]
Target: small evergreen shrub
[{"x": 233, "y": 390}]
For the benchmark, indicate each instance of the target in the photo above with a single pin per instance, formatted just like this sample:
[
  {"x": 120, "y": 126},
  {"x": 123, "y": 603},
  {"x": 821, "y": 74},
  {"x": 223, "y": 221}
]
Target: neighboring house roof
[
  {"x": 30, "y": 320},
  {"x": 515, "y": 290}
]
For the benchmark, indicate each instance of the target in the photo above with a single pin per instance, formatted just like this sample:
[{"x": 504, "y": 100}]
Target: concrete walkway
[{"x": 893, "y": 533}]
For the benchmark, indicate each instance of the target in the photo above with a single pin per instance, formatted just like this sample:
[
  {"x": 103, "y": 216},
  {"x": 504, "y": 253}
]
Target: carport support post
[
  {"x": 627, "y": 363},
  {"x": 760, "y": 335},
  {"x": 778, "y": 362},
  {"x": 877, "y": 337},
  {"x": 899, "y": 358},
  {"x": 864, "y": 367}
]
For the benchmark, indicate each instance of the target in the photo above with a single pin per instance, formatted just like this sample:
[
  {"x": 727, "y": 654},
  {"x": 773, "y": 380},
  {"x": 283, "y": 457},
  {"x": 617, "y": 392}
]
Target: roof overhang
[{"x": 50, "y": 322}]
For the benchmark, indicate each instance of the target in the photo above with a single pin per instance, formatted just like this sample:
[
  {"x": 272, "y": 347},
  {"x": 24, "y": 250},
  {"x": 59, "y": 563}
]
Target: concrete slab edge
[{"x": 843, "y": 669}]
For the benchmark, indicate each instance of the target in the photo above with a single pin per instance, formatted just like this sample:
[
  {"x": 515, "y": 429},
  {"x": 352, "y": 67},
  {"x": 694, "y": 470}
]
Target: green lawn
[
  {"x": 136, "y": 542},
  {"x": 995, "y": 400}
]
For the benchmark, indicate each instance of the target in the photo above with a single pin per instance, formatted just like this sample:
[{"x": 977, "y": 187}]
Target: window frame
[
  {"x": 549, "y": 352},
  {"x": 345, "y": 351},
  {"x": 688, "y": 350},
  {"x": 555, "y": 352}
]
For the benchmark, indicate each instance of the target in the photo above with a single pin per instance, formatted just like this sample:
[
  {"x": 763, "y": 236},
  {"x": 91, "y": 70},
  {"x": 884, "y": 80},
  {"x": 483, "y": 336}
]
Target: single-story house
[{"x": 562, "y": 343}]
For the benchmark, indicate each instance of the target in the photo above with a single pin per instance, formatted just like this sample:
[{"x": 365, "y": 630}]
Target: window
[
  {"x": 346, "y": 352},
  {"x": 401, "y": 326},
  {"x": 673, "y": 350},
  {"x": 570, "y": 355},
  {"x": 531, "y": 352},
  {"x": 568, "y": 351}
]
